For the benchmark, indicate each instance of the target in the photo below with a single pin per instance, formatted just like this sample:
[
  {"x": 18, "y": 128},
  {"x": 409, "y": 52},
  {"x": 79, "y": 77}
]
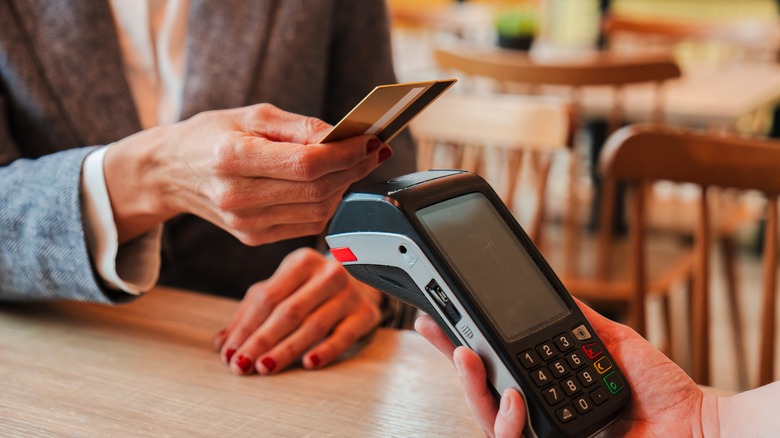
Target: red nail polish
[
  {"x": 384, "y": 154},
  {"x": 244, "y": 363},
  {"x": 373, "y": 145},
  {"x": 220, "y": 333},
  {"x": 229, "y": 354},
  {"x": 315, "y": 360},
  {"x": 269, "y": 364}
]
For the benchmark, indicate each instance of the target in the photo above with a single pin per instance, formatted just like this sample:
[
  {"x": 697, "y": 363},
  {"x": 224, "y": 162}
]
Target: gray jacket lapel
[
  {"x": 90, "y": 89},
  {"x": 225, "y": 44}
]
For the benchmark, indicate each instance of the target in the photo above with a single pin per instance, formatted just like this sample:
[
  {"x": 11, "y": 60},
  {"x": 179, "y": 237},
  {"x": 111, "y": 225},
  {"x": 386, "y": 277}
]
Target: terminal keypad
[{"x": 572, "y": 373}]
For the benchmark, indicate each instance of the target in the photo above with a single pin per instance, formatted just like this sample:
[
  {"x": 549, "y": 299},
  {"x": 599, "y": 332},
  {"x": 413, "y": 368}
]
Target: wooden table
[
  {"x": 148, "y": 369},
  {"x": 706, "y": 95}
]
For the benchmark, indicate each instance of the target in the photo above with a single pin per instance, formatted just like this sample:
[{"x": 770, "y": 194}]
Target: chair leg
[
  {"x": 668, "y": 346},
  {"x": 688, "y": 291},
  {"x": 768, "y": 302},
  {"x": 514, "y": 160},
  {"x": 701, "y": 294},
  {"x": 728, "y": 252},
  {"x": 537, "y": 222},
  {"x": 571, "y": 221}
]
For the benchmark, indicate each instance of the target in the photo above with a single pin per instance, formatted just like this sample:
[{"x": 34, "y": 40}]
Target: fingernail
[
  {"x": 229, "y": 354},
  {"x": 269, "y": 364},
  {"x": 220, "y": 333},
  {"x": 372, "y": 145},
  {"x": 506, "y": 403},
  {"x": 384, "y": 154},
  {"x": 457, "y": 367},
  {"x": 244, "y": 363},
  {"x": 315, "y": 360}
]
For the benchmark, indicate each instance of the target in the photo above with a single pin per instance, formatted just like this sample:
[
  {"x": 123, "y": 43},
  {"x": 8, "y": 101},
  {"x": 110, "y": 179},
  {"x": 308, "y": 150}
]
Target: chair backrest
[
  {"x": 596, "y": 69},
  {"x": 641, "y": 154},
  {"x": 574, "y": 74},
  {"x": 474, "y": 126}
]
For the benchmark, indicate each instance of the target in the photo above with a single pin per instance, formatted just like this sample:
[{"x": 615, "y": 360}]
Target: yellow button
[{"x": 602, "y": 365}]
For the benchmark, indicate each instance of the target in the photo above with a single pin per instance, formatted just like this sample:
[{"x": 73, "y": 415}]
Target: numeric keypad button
[
  {"x": 575, "y": 359},
  {"x": 571, "y": 386},
  {"x": 582, "y": 404},
  {"x": 553, "y": 395},
  {"x": 559, "y": 368},
  {"x": 547, "y": 350},
  {"x": 541, "y": 377},
  {"x": 587, "y": 377},
  {"x": 529, "y": 359},
  {"x": 564, "y": 342}
]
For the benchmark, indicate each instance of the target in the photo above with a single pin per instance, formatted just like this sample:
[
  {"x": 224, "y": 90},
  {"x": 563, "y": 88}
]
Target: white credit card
[{"x": 387, "y": 109}]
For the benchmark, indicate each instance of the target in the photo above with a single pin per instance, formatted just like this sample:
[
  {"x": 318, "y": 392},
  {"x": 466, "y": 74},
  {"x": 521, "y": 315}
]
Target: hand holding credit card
[{"x": 387, "y": 109}]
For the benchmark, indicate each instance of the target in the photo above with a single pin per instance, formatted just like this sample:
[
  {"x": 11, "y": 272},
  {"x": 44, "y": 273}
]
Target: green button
[{"x": 613, "y": 382}]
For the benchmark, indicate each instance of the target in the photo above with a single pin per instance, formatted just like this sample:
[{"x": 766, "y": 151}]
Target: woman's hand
[
  {"x": 256, "y": 172},
  {"x": 310, "y": 307},
  {"x": 506, "y": 420},
  {"x": 664, "y": 400}
]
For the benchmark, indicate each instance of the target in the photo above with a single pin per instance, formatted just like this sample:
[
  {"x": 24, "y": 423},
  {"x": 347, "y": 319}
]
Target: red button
[
  {"x": 343, "y": 254},
  {"x": 592, "y": 350}
]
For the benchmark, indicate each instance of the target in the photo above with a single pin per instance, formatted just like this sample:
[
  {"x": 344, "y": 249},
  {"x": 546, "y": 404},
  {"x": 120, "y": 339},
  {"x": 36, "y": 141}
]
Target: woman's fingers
[
  {"x": 287, "y": 334},
  {"x": 309, "y": 300},
  {"x": 426, "y": 326},
  {"x": 356, "y": 325},
  {"x": 480, "y": 400},
  {"x": 510, "y": 420},
  {"x": 505, "y": 422}
]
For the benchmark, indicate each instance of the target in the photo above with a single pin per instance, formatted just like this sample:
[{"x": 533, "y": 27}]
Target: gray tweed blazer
[{"x": 63, "y": 92}]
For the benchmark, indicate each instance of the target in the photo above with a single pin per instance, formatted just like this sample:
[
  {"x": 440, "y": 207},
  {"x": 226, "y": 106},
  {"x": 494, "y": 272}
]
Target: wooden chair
[
  {"x": 641, "y": 154},
  {"x": 470, "y": 128},
  {"x": 574, "y": 74}
]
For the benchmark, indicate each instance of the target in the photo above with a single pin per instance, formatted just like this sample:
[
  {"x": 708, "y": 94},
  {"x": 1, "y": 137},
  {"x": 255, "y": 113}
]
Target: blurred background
[{"x": 545, "y": 86}]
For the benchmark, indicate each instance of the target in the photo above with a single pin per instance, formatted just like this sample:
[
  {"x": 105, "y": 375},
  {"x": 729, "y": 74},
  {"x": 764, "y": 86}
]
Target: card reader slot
[
  {"x": 441, "y": 300},
  {"x": 398, "y": 282}
]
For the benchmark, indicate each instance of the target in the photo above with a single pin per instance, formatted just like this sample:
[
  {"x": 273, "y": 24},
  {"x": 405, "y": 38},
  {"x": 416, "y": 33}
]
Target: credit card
[{"x": 387, "y": 109}]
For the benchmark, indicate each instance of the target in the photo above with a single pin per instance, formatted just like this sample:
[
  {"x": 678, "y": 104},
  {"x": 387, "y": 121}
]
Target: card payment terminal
[{"x": 445, "y": 243}]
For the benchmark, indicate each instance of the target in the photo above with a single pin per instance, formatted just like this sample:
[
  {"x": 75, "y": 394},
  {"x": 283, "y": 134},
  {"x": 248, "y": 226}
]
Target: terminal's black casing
[{"x": 390, "y": 207}]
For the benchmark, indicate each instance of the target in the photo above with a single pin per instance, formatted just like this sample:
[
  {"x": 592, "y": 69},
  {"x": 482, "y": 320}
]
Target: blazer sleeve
[
  {"x": 361, "y": 59},
  {"x": 43, "y": 249}
]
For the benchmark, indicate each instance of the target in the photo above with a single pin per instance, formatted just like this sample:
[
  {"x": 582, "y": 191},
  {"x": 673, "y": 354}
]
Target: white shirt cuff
[{"x": 133, "y": 267}]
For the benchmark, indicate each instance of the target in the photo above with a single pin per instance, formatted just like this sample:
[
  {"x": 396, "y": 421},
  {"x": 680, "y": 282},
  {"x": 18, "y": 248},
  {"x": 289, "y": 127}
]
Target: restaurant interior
[
  {"x": 545, "y": 86},
  {"x": 637, "y": 143}
]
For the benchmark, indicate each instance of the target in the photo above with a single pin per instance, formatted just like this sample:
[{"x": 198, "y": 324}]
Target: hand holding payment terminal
[{"x": 445, "y": 243}]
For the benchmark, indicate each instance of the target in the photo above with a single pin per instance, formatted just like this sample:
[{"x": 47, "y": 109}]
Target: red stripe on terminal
[{"x": 343, "y": 255}]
